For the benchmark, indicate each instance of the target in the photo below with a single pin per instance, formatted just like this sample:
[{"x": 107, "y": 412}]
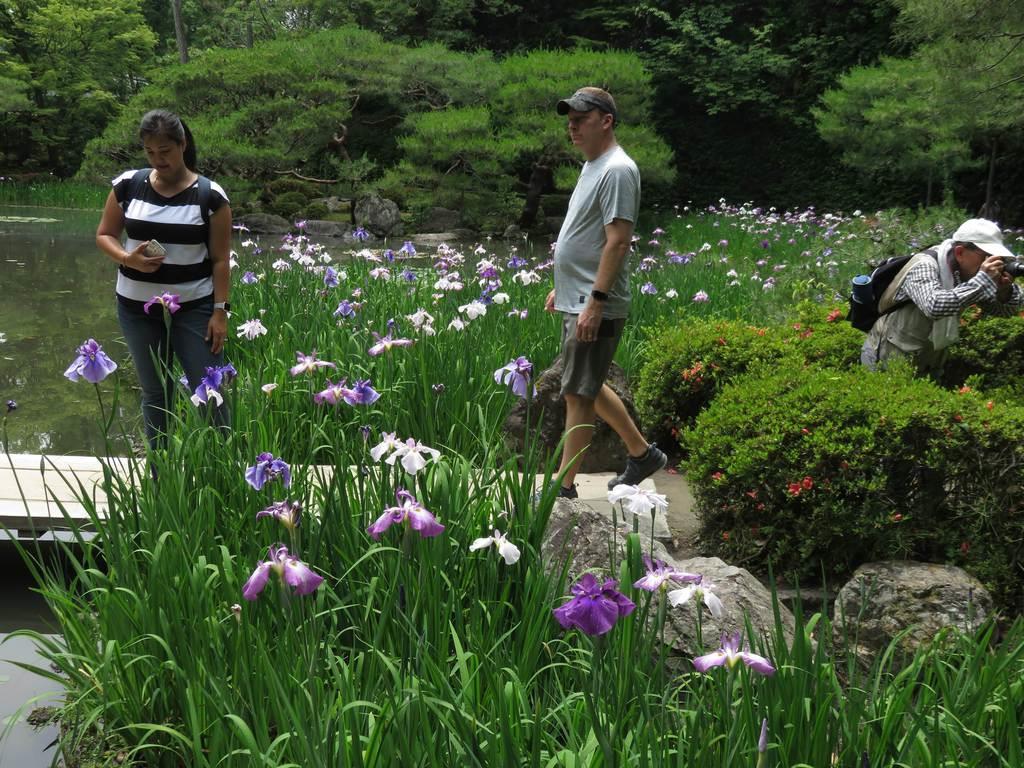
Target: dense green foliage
[
  {"x": 814, "y": 80},
  {"x": 444, "y": 128},
  {"x": 690, "y": 362},
  {"x": 815, "y": 470}
]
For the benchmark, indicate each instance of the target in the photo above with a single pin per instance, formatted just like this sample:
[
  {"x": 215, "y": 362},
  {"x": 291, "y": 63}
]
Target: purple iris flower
[
  {"x": 212, "y": 383},
  {"x": 649, "y": 288},
  {"x": 661, "y": 575},
  {"x": 360, "y": 234},
  {"x": 289, "y": 568},
  {"x": 729, "y": 654},
  {"x": 389, "y": 255},
  {"x": 288, "y": 513},
  {"x": 331, "y": 277},
  {"x": 168, "y": 301},
  {"x": 408, "y": 509},
  {"x": 308, "y": 363},
  {"x": 407, "y": 248},
  {"x": 11, "y": 406},
  {"x": 518, "y": 375},
  {"x": 385, "y": 343},
  {"x": 595, "y": 607},
  {"x": 680, "y": 258},
  {"x": 92, "y": 364},
  {"x": 268, "y": 468},
  {"x": 408, "y": 275},
  {"x": 249, "y": 278},
  {"x": 345, "y": 309},
  {"x": 517, "y": 262},
  {"x": 332, "y": 394},
  {"x": 361, "y": 394}
]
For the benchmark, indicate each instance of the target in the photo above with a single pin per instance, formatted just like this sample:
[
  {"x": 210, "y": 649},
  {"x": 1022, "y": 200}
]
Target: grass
[
  {"x": 52, "y": 193},
  {"x": 415, "y": 651}
]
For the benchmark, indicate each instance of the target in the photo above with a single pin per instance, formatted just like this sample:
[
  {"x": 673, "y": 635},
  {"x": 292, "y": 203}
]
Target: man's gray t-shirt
[{"x": 608, "y": 189}]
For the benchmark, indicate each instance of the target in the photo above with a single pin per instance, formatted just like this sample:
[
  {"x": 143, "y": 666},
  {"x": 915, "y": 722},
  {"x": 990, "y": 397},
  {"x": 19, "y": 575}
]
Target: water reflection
[
  {"x": 20, "y": 690},
  {"x": 56, "y": 290}
]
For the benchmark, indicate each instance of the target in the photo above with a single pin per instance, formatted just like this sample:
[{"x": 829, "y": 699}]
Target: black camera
[{"x": 1013, "y": 267}]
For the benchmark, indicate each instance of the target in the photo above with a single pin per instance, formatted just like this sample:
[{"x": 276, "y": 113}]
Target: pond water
[
  {"x": 56, "y": 291},
  {"x": 20, "y": 690}
]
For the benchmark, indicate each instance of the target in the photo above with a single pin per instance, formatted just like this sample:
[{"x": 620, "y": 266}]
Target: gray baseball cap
[{"x": 586, "y": 99}]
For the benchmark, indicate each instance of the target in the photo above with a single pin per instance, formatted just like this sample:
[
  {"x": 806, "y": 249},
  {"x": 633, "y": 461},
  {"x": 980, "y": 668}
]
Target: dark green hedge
[
  {"x": 690, "y": 362},
  {"x": 811, "y": 470}
]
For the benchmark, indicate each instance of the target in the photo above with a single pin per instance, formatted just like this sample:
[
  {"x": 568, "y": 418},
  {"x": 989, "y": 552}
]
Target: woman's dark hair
[{"x": 161, "y": 123}]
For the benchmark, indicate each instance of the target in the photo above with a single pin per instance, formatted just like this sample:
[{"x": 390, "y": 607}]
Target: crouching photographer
[{"x": 921, "y": 310}]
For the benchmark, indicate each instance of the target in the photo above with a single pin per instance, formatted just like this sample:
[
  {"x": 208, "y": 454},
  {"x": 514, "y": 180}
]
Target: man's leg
[
  {"x": 579, "y": 431},
  {"x": 612, "y": 411}
]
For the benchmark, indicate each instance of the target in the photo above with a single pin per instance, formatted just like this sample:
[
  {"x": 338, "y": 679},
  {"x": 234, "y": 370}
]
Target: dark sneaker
[
  {"x": 638, "y": 470},
  {"x": 563, "y": 493}
]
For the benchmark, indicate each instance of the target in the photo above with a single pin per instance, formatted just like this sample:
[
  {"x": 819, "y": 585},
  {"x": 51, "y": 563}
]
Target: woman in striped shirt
[{"x": 190, "y": 217}]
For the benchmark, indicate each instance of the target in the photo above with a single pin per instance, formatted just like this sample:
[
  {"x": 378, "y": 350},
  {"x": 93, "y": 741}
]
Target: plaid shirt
[{"x": 923, "y": 286}]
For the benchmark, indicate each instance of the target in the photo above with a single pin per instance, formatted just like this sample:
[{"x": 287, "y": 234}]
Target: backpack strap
[
  {"x": 205, "y": 195},
  {"x": 887, "y": 303},
  {"x": 135, "y": 187}
]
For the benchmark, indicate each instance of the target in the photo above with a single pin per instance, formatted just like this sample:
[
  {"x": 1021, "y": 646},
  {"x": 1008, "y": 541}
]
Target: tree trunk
[
  {"x": 179, "y": 31},
  {"x": 990, "y": 210},
  {"x": 540, "y": 179}
]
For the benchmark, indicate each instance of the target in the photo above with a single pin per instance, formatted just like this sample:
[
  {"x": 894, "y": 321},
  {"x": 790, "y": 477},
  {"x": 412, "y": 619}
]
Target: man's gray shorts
[{"x": 587, "y": 362}]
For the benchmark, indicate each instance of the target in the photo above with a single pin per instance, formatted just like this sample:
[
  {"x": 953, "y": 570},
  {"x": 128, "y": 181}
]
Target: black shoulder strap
[
  {"x": 135, "y": 187},
  {"x": 205, "y": 195}
]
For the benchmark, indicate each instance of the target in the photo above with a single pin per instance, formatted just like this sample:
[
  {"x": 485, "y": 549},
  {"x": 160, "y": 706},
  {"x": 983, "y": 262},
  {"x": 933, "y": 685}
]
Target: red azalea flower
[
  {"x": 807, "y": 483},
  {"x": 793, "y": 489},
  {"x": 834, "y": 315}
]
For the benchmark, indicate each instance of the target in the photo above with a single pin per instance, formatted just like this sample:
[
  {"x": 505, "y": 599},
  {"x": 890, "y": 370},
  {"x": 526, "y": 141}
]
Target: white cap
[{"x": 983, "y": 234}]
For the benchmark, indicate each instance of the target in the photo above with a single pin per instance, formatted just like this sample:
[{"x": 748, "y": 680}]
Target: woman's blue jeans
[{"x": 153, "y": 347}]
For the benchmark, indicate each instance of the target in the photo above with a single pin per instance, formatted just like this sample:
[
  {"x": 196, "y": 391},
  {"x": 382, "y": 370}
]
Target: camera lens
[{"x": 1014, "y": 267}]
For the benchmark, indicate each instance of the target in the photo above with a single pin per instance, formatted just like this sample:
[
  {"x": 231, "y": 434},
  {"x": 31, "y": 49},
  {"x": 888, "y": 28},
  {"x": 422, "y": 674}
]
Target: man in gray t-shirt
[{"x": 592, "y": 287}]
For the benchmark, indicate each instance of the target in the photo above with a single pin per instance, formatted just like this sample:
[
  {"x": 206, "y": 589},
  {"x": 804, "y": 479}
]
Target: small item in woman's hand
[{"x": 153, "y": 248}]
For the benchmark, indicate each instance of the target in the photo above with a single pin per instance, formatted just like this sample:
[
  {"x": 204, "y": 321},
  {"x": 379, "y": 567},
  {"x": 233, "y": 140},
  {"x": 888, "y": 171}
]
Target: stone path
[{"x": 42, "y": 493}]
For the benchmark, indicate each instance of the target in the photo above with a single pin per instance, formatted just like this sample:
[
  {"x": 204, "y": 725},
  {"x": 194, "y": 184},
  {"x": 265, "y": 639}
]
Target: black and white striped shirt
[{"x": 177, "y": 224}]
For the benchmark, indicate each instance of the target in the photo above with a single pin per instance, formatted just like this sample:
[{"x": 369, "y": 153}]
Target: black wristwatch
[{"x": 599, "y": 295}]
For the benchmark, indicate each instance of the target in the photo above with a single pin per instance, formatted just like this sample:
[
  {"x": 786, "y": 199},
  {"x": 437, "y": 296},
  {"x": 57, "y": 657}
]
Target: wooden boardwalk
[{"x": 33, "y": 493}]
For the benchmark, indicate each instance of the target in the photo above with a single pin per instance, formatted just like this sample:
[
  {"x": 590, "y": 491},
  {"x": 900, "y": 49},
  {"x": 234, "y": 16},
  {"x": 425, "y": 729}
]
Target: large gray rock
[
  {"x": 334, "y": 203},
  {"x": 742, "y": 595},
  {"x": 579, "y": 537},
  {"x": 378, "y": 215},
  {"x": 430, "y": 240},
  {"x": 607, "y": 453},
  {"x": 264, "y": 223},
  {"x": 332, "y": 229},
  {"x": 439, "y": 219},
  {"x": 884, "y": 599}
]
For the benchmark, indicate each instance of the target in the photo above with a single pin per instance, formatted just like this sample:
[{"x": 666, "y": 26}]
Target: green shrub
[
  {"x": 812, "y": 470},
  {"x": 989, "y": 355},
  {"x": 315, "y": 210},
  {"x": 689, "y": 363},
  {"x": 288, "y": 204}
]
